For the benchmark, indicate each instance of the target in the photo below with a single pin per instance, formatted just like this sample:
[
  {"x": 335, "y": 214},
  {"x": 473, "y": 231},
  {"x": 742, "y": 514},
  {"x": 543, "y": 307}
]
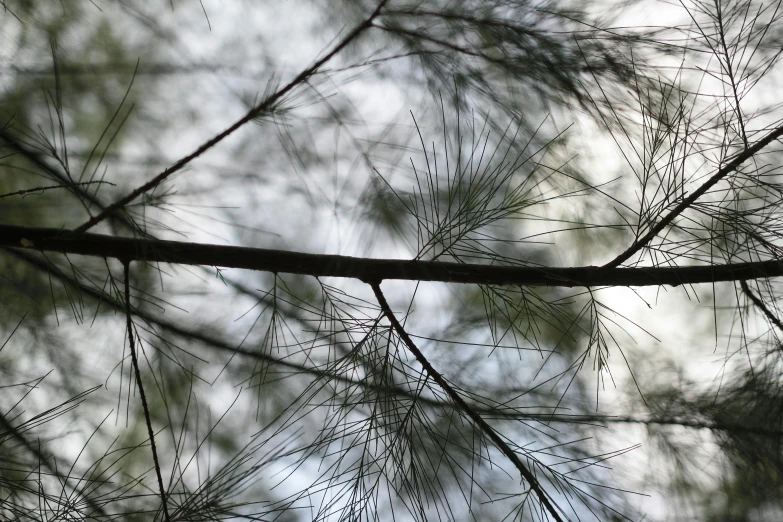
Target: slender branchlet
[
  {"x": 145, "y": 405},
  {"x": 686, "y": 203},
  {"x": 485, "y": 428},
  {"x": 265, "y": 106}
]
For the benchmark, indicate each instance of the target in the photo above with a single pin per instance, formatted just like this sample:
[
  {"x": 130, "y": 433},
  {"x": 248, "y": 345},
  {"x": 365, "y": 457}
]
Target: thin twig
[
  {"x": 253, "y": 113},
  {"x": 760, "y": 304},
  {"x": 527, "y": 475},
  {"x": 147, "y": 418},
  {"x": 38, "y": 190},
  {"x": 696, "y": 194}
]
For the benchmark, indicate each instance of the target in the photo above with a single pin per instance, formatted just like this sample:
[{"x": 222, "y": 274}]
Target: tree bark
[{"x": 371, "y": 270}]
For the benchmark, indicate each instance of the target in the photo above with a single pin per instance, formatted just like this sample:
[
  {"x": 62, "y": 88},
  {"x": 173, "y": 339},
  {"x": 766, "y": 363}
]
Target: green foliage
[{"x": 282, "y": 396}]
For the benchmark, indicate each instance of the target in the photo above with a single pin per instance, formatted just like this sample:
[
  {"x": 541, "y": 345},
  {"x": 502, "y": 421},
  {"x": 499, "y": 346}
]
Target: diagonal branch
[
  {"x": 771, "y": 317},
  {"x": 367, "y": 269},
  {"x": 136, "y": 370},
  {"x": 527, "y": 475},
  {"x": 253, "y": 113},
  {"x": 730, "y": 167}
]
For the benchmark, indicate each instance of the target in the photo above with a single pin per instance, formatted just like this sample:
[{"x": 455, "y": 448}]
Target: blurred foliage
[{"x": 275, "y": 396}]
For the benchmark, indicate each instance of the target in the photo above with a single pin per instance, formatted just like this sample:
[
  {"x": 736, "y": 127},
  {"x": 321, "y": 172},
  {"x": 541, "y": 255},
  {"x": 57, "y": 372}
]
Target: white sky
[{"x": 285, "y": 30}]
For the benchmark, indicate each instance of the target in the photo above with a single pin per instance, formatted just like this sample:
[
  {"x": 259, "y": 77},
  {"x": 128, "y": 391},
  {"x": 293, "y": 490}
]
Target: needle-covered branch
[
  {"x": 482, "y": 425},
  {"x": 483, "y": 408},
  {"x": 367, "y": 269},
  {"x": 730, "y": 167},
  {"x": 266, "y": 105},
  {"x": 142, "y": 395}
]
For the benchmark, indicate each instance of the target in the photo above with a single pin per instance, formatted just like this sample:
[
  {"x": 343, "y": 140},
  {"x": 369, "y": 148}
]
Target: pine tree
[{"x": 446, "y": 260}]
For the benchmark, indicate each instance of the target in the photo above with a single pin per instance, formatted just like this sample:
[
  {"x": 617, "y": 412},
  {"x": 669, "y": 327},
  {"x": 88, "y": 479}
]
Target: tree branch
[
  {"x": 527, "y": 475},
  {"x": 253, "y": 113},
  {"x": 136, "y": 370},
  {"x": 699, "y": 192},
  {"x": 366, "y": 269},
  {"x": 760, "y": 304},
  {"x": 487, "y": 411}
]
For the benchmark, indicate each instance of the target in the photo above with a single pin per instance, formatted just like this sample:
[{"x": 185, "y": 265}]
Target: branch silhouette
[
  {"x": 368, "y": 269},
  {"x": 490, "y": 432},
  {"x": 486, "y": 410},
  {"x": 253, "y": 113},
  {"x": 145, "y": 405},
  {"x": 730, "y": 167}
]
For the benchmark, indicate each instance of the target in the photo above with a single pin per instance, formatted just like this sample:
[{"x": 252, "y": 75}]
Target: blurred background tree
[{"x": 517, "y": 133}]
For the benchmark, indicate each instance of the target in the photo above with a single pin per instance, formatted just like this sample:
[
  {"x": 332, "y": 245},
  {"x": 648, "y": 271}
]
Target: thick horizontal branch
[
  {"x": 487, "y": 410},
  {"x": 370, "y": 270}
]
